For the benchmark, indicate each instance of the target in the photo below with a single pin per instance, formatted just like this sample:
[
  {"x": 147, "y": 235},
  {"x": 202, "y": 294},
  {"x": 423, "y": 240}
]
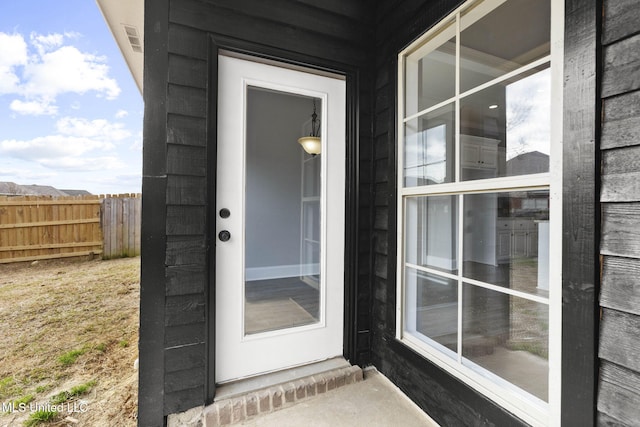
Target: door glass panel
[{"x": 282, "y": 214}]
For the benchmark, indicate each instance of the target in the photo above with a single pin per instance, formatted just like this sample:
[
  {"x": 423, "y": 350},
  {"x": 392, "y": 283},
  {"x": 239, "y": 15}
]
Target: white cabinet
[
  {"x": 519, "y": 244},
  {"x": 478, "y": 152},
  {"x": 504, "y": 244},
  {"x": 517, "y": 238}
]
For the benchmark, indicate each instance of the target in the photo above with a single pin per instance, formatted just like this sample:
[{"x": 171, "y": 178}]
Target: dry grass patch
[{"x": 66, "y": 324}]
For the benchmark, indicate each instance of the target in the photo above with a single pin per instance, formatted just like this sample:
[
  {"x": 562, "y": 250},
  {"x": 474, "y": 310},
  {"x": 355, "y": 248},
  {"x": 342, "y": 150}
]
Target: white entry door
[{"x": 279, "y": 220}]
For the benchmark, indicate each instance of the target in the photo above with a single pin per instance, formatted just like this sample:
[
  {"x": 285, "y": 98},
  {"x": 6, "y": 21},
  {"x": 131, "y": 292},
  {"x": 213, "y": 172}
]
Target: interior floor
[{"x": 279, "y": 303}]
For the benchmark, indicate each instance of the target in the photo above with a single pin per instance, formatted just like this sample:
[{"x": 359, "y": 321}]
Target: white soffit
[{"x": 125, "y": 19}]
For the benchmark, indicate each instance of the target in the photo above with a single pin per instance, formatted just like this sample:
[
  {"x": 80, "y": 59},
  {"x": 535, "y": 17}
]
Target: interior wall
[{"x": 273, "y": 177}]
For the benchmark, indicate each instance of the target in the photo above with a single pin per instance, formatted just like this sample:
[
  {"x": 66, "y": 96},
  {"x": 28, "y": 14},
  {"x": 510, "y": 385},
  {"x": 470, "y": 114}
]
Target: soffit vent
[{"x": 134, "y": 37}]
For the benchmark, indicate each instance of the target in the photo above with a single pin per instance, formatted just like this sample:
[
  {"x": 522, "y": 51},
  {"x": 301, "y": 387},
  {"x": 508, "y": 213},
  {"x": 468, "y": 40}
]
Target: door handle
[{"x": 224, "y": 235}]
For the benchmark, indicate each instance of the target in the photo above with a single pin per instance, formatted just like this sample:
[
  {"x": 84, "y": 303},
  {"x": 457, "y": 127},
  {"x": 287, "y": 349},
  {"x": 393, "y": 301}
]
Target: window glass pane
[
  {"x": 514, "y": 34},
  {"x": 505, "y": 129},
  {"x": 432, "y": 232},
  {"x": 506, "y": 240},
  {"x": 432, "y": 308},
  {"x": 429, "y": 148},
  {"x": 430, "y": 75},
  {"x": 507, "y": 336}
]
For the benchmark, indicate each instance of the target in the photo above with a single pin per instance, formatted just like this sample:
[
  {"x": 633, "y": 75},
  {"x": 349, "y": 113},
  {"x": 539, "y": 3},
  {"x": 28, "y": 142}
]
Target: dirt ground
[{"x": 64, "y": 324}]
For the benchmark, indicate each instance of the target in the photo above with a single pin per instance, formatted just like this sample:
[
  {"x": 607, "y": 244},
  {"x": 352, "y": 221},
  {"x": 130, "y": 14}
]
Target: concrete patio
[
  {"x": 329, "y": 393},
  {"x": 375, "y": 401}
]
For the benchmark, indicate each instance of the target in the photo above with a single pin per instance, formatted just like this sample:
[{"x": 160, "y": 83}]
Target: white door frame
[{"x": 239, "y": 356}]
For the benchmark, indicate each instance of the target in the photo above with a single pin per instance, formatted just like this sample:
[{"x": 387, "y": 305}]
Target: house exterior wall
[
  {"x": 447, "y": 400},
  {"x": 362, "y": 41},
  {"x": 619, "y": 390},
  {"x": 182, "y": 39}
]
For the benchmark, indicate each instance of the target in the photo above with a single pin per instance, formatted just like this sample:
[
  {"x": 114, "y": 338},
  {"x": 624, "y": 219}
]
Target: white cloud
[
  {"x": 26, "y": 175},
  {"x": 66, "y": 69},
  {"x": 137, "y": 143},
  {"x": 114, "y": 184},
  {"x": 82, "y": 164},
  {"x": 13, "y": 53},
  {"x": 54, "y": 68},
  {"x": 34, "y": 108},
  {"x": 99, "y": 128},
  {"x": 78, "y": 145},
  {"x": 132, "y": 180},
  {"x": 51, "y": 147},
  {"x": 528, "y": 114},
  {"x": 13, "y": 50},
  {"x": 121, "y": 114},
  {"x": 45, "y": 43}
]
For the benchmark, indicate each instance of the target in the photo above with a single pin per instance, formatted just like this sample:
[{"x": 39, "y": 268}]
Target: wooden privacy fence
[
  {"x": 121, "y": 216},
  {"x": 42, "y": 227}
]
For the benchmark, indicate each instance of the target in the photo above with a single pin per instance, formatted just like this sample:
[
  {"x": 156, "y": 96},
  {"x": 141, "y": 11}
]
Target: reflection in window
[
  {"x": 506, "y": 244},
  {"x": 507, "y": 336},
  {"x": 431, "y": 232},
  {"x": 513, "y": 35},
  {"x": 432, "y": 308},
  {"x": 476, "y": 106},
  {"x": 505, "y": 128},
  {"x": 429, "y": 147},
  {"x": 506, "y": 239},
  {"x": 433, "y": 61},
  {"x": 528, "y": 124},
  {"x": 440, "y": 65}
]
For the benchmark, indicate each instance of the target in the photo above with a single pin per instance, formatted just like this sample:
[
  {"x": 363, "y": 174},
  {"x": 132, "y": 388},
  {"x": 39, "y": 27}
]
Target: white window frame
[{"x": 531, "y": 412}]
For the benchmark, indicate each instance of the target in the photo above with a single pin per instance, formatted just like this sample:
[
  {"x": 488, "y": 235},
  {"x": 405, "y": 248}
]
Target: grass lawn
[{"x": 68, "y": 342}]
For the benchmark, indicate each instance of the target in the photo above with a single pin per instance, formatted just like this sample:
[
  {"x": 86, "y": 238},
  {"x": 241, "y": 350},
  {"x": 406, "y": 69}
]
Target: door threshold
[
  {"x": 249, "y": 398},
  {"x": 247, "y": 385}
]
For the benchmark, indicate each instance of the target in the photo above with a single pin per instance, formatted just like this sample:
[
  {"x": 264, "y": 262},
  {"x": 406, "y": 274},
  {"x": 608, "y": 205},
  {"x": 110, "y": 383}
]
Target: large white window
[{"x": 479, "y": 201}]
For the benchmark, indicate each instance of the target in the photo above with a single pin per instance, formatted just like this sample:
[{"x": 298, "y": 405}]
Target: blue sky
[{"x": 70, "y": 112}]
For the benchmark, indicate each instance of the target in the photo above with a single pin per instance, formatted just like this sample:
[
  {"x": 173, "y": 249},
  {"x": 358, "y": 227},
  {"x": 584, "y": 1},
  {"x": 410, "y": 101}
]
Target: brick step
[
  {"x": 247, "y": 405},
  {"x": 236, "y": 409}
]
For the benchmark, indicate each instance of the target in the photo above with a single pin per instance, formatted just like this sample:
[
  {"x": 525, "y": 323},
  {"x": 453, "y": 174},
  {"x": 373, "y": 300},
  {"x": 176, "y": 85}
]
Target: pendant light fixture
[{"x": 311, "y": 143}]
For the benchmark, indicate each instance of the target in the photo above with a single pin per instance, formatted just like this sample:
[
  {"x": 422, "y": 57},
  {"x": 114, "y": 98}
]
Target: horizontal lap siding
[
  {"x": 324, "y": 34},
  {"x": 289, "y": 26},
  {"x": 361, "y": 320},
  {"x": 619, "y": 382},
  {"x": 443, "y": 398},
  {"x": 620, "y": 288},
  {"x": 151, "y": 395},
  {"x": 186, "y": 201}
]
